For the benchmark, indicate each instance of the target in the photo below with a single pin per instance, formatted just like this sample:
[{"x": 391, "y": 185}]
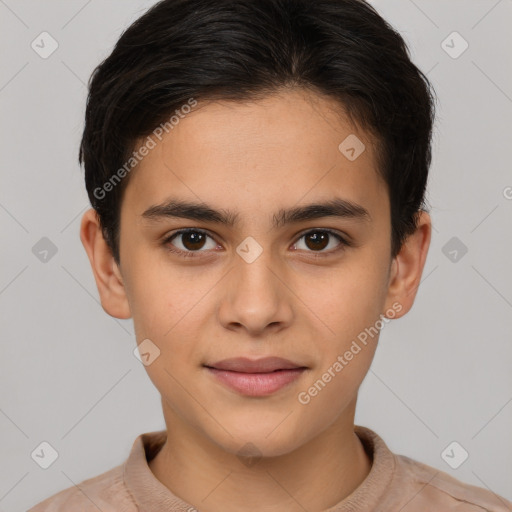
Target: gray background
[{"x": 68, "y": 373}]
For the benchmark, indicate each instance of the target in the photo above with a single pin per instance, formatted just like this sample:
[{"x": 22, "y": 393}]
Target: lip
[
  {"x": 263, "y": 365},
  {"x": 261, "y": 377}
]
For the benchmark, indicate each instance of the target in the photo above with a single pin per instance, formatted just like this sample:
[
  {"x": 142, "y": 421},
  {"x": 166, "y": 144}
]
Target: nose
[{"x": 257, "y": 297}]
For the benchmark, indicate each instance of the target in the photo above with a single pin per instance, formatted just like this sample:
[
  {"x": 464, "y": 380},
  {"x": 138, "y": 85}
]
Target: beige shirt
[{"x": 395, "y": 483}]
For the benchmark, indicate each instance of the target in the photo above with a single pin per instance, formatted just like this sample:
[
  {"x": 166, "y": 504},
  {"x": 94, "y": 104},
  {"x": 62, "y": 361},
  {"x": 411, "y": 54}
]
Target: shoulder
[
  {"x": 106, "y": 492},
  {"x": 429, "y": 488}
]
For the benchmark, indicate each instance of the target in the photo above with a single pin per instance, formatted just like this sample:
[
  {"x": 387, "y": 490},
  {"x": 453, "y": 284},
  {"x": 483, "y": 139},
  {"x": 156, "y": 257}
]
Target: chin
[{"x": 258, "y": 441}]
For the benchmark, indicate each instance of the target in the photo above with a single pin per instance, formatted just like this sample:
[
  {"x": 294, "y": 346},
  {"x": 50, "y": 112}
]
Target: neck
[{"x": 316, "y": 476}]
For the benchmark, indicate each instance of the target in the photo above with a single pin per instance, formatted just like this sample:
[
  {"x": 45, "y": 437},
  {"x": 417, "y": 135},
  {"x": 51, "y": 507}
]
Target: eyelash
[{"x": 194, "y": 254}]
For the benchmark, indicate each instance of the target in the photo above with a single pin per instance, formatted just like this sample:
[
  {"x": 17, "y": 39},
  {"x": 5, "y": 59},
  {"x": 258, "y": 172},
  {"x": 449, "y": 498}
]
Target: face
[{"x": 274, "y": 278}]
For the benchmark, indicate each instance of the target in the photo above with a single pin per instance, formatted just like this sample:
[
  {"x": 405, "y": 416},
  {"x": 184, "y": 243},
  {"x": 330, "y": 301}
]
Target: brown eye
[
  {"x": 317, "y": 240},
  {"x": 189, "y": 241},
  {"x": 193, "y": 241}
]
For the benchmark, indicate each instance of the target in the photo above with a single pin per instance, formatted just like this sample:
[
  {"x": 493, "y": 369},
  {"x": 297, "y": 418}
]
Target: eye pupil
[{"x": 319, "y": 241}]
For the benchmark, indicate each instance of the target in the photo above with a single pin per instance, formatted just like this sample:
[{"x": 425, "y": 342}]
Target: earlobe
[
  {"x": 407, "y": 267},
  {"x": 106, "y": 271}
]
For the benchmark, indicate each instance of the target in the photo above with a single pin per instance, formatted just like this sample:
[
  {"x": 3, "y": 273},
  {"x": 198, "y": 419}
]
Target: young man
[{"x": 257, "y": 171}]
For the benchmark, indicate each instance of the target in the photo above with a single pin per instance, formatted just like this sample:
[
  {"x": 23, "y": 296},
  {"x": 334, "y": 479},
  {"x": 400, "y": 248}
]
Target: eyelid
[{"x": 342, "y": 237}]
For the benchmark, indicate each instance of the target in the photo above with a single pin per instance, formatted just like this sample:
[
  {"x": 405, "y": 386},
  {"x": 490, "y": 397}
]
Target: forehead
[{"x": 289, "y": 148}]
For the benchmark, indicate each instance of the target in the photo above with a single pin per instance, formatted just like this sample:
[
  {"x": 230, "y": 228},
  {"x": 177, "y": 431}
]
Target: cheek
[
  {"x": 351, "y": 309},
  {"x": 175, "y": 364},
  {"x": 158, "y": 297},
  {"x": 334, "y": 386},
  {"x": 352, "y": 301}
]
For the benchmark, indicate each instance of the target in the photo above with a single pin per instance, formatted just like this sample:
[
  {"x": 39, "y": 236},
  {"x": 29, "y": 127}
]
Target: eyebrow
[{"x": 177, "y": 208}]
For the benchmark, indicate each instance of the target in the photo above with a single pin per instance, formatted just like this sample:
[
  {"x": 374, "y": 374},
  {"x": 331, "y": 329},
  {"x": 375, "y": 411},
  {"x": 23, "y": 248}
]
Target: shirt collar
[{"x": 152, "y": 496}]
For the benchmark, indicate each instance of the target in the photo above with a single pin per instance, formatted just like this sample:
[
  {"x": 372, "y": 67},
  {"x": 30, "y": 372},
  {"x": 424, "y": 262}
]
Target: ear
[
  {"x": 106, "y": 272},
  {"x": 407, "y": 267}
]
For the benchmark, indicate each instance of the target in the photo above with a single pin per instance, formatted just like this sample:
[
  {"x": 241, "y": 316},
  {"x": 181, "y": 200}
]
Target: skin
[{"x": 254, "y": 159}]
